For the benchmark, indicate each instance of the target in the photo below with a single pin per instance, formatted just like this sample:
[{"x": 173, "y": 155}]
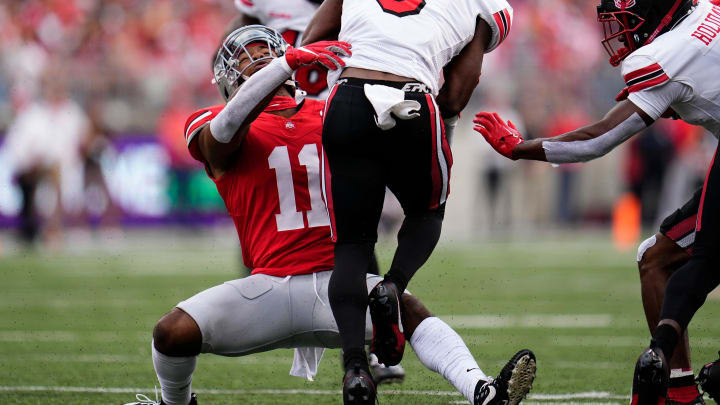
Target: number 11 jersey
[{"x": 273, "y": 192}]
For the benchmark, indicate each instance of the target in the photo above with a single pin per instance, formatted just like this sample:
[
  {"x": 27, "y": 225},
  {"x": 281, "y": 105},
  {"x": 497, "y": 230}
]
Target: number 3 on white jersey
[{"x": 289, "y": 217}]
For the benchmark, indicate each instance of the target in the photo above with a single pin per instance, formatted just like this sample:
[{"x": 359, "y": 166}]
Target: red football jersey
[{"x": 273, "y": 191}]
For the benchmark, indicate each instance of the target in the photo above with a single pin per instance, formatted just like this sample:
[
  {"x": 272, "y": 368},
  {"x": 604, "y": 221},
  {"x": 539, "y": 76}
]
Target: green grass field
[{"x": 76, "y": 327}]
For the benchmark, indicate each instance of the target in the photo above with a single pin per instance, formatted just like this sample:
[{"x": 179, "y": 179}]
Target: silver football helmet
[{"x": 227, "y": 76}]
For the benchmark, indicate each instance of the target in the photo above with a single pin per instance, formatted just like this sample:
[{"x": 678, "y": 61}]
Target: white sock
[
  {"x": 442, "y": 350},
  {"x": 175, "y": 376}
]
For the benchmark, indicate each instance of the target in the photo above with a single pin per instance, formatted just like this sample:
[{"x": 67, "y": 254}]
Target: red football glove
[
  {"x": 325, "y": 53},
  {"x": 501, "y": 136}
]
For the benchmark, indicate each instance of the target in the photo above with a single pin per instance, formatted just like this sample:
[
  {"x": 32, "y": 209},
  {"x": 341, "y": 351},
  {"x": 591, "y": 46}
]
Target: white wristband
[
  {"x": 226, "y": 124},
  {"x": 450, "y": 124}
]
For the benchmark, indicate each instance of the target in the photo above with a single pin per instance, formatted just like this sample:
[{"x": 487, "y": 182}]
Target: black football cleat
[
  {"x": 650, "y": 381},
  {"x": 709, "y": 379},
  {"x": 358, "y": 387},
  {"x": 388, "y": 340},
  {"x": 511, "y": 385}
]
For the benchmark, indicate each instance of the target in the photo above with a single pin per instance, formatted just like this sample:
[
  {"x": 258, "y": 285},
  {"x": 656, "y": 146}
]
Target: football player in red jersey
[
  {"x": 262, "y": 151},
  {"x": 290, "y": 17},
  {"x": 669, "y": 62}
]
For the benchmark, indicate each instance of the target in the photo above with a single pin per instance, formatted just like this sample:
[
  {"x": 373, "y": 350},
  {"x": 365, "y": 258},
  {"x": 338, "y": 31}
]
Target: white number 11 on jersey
[{"x": 289, "y": 217}]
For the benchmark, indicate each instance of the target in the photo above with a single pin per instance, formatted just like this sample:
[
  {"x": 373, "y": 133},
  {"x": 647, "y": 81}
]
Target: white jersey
[
  {"x": 417, "y": 38},
  {"x": 290, "y": 18},
  {"x": 281, "y": 15},
  {"x": 680, "y": 70}
]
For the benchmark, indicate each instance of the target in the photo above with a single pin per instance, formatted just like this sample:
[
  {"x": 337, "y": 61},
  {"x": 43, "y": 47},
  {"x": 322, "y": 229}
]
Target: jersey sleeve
[
  {"x": 499, "y": 16},
  {"x": 656, "y": 100},
  {"x": 642, "y": 72},
  {"x": 197, "y": 121},
  {"x": 649, "y": 87}
]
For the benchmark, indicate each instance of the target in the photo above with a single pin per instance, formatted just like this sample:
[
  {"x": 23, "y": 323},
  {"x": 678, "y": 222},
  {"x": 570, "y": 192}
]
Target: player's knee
[
  {"x": 177, "y": 334},
  {"x": 414, "y": 312},
  {"x": 660, "y": 256}
]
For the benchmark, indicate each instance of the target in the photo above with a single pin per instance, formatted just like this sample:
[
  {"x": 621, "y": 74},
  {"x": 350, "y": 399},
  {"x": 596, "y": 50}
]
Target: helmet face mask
[
  {"x": 235, "y": 59},
  {"x": 620, "y": 29}
]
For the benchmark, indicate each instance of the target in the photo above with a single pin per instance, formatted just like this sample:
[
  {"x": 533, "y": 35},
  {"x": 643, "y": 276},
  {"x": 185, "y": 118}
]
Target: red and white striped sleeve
[
  {"x": 649, "y": 87},
  {"x": 197, "y": 121},
  {"x": 645, "y": 77},
  {"x": 499, "y": 16}
]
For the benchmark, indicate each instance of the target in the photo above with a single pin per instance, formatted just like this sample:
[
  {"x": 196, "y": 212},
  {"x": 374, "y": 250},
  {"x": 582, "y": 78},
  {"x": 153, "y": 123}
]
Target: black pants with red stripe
[
  {"x": 412, "y": 159},
  {"x": 689, "y": 286}
]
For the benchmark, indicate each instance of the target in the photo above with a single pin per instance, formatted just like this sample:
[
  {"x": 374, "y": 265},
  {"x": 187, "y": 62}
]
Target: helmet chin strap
[{"x": 664, "y": 22}]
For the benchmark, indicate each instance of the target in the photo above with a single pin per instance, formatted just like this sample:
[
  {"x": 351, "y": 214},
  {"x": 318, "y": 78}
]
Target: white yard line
[
  {"x": 462, "y": 322},
  {"x": 529, "y": 321},
  {"x": 130, "y": 390}
]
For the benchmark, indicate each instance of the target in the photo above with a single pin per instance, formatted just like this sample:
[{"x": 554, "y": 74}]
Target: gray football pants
[{"x": 260, "y": 313}]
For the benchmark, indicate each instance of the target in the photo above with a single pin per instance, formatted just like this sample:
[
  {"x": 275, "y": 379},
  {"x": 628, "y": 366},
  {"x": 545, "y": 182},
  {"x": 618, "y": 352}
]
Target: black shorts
[
  {"x": 680, "y": 225},
  {"x": 412, "y": 159},
  {"x": 696, "y": 226},
  {"x": 707, "y": 232}
]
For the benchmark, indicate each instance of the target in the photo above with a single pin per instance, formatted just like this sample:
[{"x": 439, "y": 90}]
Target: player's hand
[
  {"x": 502, "y": 136},
  {"x": 325, "y": 53}
]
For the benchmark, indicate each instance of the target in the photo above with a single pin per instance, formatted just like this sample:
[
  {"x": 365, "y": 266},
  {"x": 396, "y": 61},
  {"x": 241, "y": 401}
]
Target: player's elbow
[
  {"x": 451, "y": 104},
  {"x": 452, "y": 109}
]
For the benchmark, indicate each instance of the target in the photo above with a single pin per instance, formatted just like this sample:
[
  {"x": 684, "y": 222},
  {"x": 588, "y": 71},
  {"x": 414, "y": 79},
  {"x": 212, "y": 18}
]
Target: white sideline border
[{"x": 130, "y": 390}]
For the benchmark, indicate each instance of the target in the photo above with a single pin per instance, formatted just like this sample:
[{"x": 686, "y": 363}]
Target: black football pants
[
  {"x": 413, "y": 160},
  {"x": 689, "y": 286}
]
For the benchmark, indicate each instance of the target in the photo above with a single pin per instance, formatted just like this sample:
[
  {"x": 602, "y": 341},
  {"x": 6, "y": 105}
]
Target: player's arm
[
  {"x": 218, "y": 151},
  {"x": 463, "y": 72},
  {"x": 583, "y": 144},
  {"x": 220, "y": 141},
  {"x": 325, "y": 24},
  {"x": 629, "y": 117}
]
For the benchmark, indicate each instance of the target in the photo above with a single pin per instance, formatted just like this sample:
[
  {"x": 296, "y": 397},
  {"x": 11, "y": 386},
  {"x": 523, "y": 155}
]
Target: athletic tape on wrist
[
  {"x": 582, "y": 151},
  {"x": 226, "y": 124},
  {"x": 450, "y": 124}
]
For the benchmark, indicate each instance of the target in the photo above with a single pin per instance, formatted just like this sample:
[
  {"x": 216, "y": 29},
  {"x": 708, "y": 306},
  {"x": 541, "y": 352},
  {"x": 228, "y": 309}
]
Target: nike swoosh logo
[{"x": 491, "y": 395}]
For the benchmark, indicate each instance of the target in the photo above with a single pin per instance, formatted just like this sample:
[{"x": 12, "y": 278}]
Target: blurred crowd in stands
[{"x": 117, "y": 68}]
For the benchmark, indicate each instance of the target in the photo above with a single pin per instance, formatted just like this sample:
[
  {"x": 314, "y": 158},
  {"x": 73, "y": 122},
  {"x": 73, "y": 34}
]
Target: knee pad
[{"x": 647, "y": 244}]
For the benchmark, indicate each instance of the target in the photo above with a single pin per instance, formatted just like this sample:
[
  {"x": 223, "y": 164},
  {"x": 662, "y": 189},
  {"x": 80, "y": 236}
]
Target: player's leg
[
  {"x": 354, "y": 191},
  {"x": 685, "y": 293},
  {"x": 236, "y": 318},
  {"x": 656, "y": 264},
  {"x": 177, "y": 341},
  {"x": 658, "y": 258},
  {"x": 442, "y": 350},
  {"x": 418, "y": 160}
]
